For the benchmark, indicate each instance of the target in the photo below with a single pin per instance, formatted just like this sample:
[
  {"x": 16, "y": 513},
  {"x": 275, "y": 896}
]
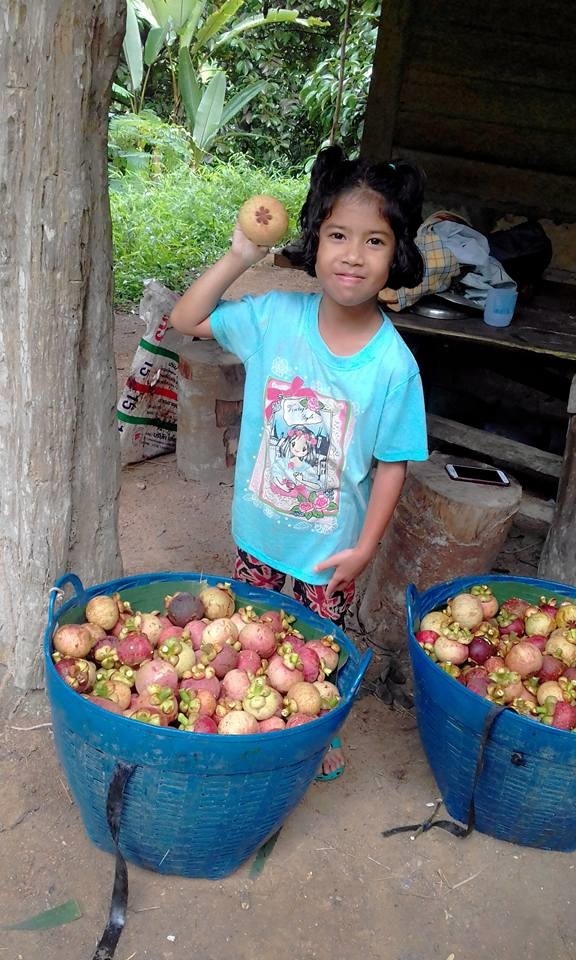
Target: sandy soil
[{"x": 333, "y": 886}]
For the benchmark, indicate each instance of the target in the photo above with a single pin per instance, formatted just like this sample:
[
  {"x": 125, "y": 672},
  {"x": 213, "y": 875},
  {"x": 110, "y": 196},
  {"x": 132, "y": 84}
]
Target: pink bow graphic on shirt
[{"x": 295, "y": 389}]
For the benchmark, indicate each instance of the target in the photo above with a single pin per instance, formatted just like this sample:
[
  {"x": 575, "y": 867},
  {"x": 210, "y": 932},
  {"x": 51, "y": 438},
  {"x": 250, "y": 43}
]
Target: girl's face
[{"x": 355, "y": 250}]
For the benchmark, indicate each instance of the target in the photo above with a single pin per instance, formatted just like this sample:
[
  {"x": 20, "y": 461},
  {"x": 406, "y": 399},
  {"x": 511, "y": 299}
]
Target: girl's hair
[{"x": 399, "y": 183}]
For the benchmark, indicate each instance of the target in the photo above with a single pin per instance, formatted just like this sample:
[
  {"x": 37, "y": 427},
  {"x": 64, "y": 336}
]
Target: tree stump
[
  {"x": 441, "y": 529},
  {"x": 210, "y": 389}
]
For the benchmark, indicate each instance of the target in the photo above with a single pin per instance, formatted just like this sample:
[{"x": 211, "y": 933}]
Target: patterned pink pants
[{"x": 251, "y": 570}]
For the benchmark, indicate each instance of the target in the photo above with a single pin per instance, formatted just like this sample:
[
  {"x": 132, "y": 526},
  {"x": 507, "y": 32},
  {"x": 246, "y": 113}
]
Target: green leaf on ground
[
  {"x": 262, "y": 855},
  {"x": 55, "y": 917}
]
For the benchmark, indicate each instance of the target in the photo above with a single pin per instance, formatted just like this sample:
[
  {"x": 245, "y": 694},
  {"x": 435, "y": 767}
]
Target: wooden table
[{"x": 544, "y": 326}]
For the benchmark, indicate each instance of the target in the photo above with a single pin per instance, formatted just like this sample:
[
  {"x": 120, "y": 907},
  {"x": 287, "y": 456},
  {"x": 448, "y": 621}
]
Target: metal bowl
[{"x": 438, "y": 309}]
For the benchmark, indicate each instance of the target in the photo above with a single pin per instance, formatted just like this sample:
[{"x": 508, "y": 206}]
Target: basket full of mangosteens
[
  {"x": 220, "y": 698},
  {"x": 494, "y": 665}
]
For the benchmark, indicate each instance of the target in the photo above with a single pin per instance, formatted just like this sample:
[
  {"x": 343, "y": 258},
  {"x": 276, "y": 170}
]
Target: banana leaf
[
  {"x": 209, "y": 113},
  {"x": 188, "y": 85},
  {"x": 132, "y": 47},
  {"x": 121, "y": 94},
  {"x": 191, "y": 25},
  {"x": 273, "y": 16},
  {"x": 144, "y": 11},
  {"x": 173, "y": 13},
  {"x": 241, "y": 99},
  {"x": 154, "y": 43},
  {"x": 216, "y": 21}
]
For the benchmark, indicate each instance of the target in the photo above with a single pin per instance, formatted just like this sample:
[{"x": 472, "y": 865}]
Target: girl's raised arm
[{"x": 191, "y": 315}]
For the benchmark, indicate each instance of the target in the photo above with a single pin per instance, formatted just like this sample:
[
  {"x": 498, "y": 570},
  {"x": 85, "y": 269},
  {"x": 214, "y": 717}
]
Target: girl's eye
[
  {"x": 375, "y": 241},
  {"x": 336, "y": 235}
]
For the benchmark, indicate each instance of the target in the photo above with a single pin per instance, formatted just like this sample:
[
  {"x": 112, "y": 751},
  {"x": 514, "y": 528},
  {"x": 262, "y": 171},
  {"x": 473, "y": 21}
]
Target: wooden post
[
  {"x": 441, "y": 529},
  {"x": 386, "y": 81},
  {"x": 558, "y": 558},
  {"x": 210, "y": 389}
]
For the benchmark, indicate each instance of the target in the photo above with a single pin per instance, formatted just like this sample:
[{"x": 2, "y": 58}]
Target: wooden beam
[
  {"x": 508, "y": 453},
  {"x": 384, "y": 92},
  {"x": 507, "y": 189},
  {"x": 536, "y": 509}
]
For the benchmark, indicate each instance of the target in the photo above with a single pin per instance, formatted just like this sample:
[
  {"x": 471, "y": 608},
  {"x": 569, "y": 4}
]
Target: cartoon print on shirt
[
  {"x": 301, "y": 454},
  {"x": 298, "y": 462}
]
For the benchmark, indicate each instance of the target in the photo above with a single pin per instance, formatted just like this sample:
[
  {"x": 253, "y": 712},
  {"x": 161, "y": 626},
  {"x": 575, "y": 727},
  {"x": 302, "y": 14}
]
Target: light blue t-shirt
[{"x": 312, "y": 423}]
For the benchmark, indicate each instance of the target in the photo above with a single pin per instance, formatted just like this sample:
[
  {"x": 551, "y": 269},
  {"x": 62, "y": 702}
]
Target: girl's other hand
[
  {"x": 348, "y": 565},
  {"x": 243, "y": 248}
]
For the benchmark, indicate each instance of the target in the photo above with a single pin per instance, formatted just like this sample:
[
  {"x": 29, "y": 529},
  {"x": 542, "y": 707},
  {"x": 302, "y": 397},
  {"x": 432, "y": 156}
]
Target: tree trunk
[{"x": 58, "y": 438}]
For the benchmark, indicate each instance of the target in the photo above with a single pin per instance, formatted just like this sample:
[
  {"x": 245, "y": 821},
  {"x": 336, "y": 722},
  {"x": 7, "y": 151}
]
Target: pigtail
[
  {"x": 324, "y": 168},
  {"x": 324, "y": 179},
  {"x": 404, "y": 203},
  {"x": 410, "y": 184}
]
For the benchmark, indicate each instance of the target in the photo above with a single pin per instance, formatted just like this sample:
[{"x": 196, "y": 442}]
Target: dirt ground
[{"x": 332, "y": 886}]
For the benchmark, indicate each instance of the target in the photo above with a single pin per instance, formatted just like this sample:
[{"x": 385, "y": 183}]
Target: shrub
[{"x": 171, "y": 225}]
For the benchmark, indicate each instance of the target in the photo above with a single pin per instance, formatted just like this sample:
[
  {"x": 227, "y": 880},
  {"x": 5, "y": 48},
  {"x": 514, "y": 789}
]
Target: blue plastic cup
[{"x": 500, "y": 305}]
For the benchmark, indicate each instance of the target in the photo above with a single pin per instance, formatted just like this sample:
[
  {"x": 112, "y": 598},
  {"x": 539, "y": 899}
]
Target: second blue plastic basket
[
  {"x": 526, "y": 789},
  {"x": 197, "y": 805}
]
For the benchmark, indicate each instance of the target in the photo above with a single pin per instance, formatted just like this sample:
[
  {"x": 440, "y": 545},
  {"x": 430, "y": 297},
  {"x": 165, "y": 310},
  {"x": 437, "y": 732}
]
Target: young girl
[{"x": 331, "y": 388}]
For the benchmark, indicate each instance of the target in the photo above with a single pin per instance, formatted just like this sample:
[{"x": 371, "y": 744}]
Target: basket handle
[
  {"x": 412, "y": 603},
  {"x": 57, "y": 591}
]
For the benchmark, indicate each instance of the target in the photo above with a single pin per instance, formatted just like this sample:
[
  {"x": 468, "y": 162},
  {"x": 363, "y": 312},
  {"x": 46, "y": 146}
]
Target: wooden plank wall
[{"x": 485, "y": 99}]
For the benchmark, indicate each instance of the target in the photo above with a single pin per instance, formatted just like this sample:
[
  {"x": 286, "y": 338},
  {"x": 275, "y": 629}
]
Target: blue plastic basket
[
  {"x": 197, "y": 805},
  {"x": 526, "y": 789}
]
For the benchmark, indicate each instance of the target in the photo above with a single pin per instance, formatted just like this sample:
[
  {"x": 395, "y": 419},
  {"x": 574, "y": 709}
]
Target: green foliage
[
  {"x": 319, "y": 90},
  {"x": 145, "y": 143},
  {"x": 293, "y": 117},
  {"x": 172, "y": 210},
  {"x": 132, "y": 49},
  {"x": 169, "y": 226},
  {"x": 195, "y": 29},
  {"x": 285, "y": 74}
]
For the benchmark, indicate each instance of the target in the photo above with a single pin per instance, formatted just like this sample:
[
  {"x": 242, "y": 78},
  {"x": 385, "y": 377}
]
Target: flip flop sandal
[{"x": 336, "y": 744}]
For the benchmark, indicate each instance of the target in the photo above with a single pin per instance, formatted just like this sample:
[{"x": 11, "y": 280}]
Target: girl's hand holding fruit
[
  {"x": 248, "y": 252},
  {"x": 262, "y": 222}
]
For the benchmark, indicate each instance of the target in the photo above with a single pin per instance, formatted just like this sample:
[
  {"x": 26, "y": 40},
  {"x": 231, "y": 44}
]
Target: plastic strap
[
  {"x": 412, "y": 599},
  {"x": 117, "y": 915},
  {"x": 57, "y": 591},
  {"x": 455, "y": 828}
]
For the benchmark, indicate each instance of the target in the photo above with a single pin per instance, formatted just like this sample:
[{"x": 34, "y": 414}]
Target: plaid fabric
[{"x": 440, "y": 266}]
